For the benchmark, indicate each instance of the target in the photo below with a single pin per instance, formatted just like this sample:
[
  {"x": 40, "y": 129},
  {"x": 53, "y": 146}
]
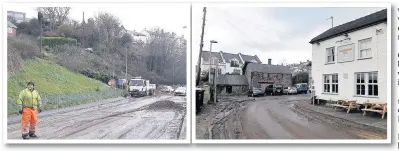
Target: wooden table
[
  {"x": 375, "y": 106},
  {"x": 346, "y": 104}
]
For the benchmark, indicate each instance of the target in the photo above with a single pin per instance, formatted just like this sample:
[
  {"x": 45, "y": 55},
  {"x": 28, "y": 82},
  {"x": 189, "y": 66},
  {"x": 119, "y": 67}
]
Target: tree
[
  {"x": 109, "y": 28},
  {"x": 56, "y": 15},
  {"x": 30, "y": 28},
  {"x": 12, "y": 20},
  {"x": 301, "y": 77}
]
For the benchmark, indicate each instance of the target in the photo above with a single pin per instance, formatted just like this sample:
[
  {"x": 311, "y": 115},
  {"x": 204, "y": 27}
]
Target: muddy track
[
  {"x": 280, "y": 117},
  {"x": 133, "y": 118}
]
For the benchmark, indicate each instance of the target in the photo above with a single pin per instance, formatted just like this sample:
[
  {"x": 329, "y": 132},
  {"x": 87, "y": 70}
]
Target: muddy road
[
  {"x": 277, "y": 117},
  {"x": 156, "y": 117}
]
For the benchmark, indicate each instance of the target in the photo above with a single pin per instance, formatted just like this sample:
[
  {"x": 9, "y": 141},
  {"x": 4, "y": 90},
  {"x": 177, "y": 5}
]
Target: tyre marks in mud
[{"x": 105, "y": 122}]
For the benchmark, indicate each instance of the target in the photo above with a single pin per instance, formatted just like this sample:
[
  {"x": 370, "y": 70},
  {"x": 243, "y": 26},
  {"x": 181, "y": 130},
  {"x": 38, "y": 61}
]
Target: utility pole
[
  {"x": 214, "y": 82},
  {"x": 201, "y": 46},
  {"x": 126, "y": 66},
  {"x": 332, "y": 21},
  {"x": 83, "y": 28},
  {"x": 40, "y": 18}
]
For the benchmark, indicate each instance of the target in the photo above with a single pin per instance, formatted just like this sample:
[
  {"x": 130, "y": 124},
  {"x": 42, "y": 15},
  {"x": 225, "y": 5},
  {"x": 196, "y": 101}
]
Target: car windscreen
[
  {"x": 181, "y": 89},
  {"x": 136, "y": 82}
]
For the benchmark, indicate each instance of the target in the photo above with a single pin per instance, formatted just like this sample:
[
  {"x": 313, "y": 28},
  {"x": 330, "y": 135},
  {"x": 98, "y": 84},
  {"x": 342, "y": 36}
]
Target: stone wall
[
  {"x": 277, "y": 78},
  {"x": 236, "y": 90}
]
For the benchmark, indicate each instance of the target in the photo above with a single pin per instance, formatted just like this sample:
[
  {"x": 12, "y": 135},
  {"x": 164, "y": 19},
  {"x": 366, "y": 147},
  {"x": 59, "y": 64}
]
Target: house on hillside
[
  {"x": 261, "y": 75},
  {"x": 18, "y": 16},
  {"x": 11, "y": 29},
  {"x": 228, "y": 63},
  {"x": 349, "y": 61}
]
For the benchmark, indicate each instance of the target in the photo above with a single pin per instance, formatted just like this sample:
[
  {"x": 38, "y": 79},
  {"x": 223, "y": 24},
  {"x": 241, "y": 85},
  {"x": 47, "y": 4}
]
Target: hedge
[{"x": 57, "y": 41}]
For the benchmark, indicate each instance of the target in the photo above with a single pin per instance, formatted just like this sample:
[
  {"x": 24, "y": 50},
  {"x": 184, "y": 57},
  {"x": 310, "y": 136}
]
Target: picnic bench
[
  {"x": 346, "y": 104},
  {"x": 375, "y": 106}
]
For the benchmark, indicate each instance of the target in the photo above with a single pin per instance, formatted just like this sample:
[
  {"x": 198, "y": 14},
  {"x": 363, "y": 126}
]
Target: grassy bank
[{"x": 58, "y": 86}]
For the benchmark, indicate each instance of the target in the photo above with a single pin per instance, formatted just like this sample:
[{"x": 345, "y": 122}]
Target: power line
[{"x": 242, "y": 32}]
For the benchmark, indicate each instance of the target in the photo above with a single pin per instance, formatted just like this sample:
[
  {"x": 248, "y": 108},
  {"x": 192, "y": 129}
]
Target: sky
[
  {"x": 133, "y": 16},
  {"x": 279, "y": 33}
]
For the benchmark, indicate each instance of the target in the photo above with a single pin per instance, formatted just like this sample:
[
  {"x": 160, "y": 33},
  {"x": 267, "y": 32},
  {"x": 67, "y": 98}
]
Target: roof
[
  {"x": 265, "y": 68},
  {"x": 233, "y": 80},
  {"x": 205, "y": 55},
  {"x": 366, "y": 21},
  {"x": 10, "y": 24},
  {"x": 229, "y": 56},
  {"x": 248, "y": 58}
]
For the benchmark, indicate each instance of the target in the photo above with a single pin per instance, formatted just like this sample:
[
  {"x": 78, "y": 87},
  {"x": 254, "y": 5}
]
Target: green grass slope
[{"x": 52, "y": 80}]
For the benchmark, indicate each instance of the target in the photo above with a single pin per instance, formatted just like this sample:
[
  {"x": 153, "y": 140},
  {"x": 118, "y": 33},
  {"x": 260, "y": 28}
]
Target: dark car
[
  {"x": 255, "y": 92},
  {"x": 274, "y": 89}
]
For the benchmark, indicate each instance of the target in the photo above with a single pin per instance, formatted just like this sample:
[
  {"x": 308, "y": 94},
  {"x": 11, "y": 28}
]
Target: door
[{"x": 229, "y": 89}]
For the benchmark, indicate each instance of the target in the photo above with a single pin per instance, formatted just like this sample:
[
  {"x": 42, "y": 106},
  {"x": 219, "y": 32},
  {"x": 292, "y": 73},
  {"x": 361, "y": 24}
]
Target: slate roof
[
  {"x": 205, "y": 55},
  {"x": 248, "y": 58},
  {"x": 265, "y": 68},
  {"x": 10, "y": 24},
  {"x": 228, "y": 56},
  {"x": 232, "y": 80},
  {"x": 366, "y": 21}
]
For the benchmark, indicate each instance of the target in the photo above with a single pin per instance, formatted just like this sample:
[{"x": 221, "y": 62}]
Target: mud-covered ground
[
  {"x": 156, "y": 117},
  {"x": 278, "y": 117}
]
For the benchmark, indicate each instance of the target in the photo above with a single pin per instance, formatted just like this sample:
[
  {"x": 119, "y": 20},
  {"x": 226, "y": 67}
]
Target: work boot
[
  {"x": 25, "y": 136},
  {"x": 32, "y": 134}
]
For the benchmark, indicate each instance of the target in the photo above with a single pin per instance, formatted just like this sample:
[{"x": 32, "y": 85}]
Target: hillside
[{"x": 53, "y": 80}]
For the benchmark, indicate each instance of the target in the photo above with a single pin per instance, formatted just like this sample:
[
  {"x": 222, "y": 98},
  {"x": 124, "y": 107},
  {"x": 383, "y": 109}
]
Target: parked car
[
  {"x": 302, "y": 88},
  {"x": 167, "y": 89},
  {"x": 290, "y": 90},
  {"x": 180, "y": 91},
  {"x": 255, "y": 92},
  {"x": 274, "y": 89}
]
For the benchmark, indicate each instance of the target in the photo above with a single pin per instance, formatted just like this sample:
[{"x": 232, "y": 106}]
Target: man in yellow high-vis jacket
[{"x": 29, "y": 106}]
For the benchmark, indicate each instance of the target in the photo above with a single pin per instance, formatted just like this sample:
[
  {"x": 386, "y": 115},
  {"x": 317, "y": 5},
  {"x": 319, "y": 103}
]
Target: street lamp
[
  {"x": 209, "y": 76},
  {"x": 210, "y": 59}
]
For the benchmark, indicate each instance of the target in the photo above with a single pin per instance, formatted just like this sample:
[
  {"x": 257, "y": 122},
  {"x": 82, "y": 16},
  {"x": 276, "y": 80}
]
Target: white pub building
[{"x": 349, "y": 61}]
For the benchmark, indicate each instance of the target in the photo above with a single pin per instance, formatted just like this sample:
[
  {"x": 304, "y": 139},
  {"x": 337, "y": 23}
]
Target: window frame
[
  {"x": 333, "y": 58},
  {"x": 330, "y": 82},
  {"x": 233, "y": 61},
  {"x": 365, "y": 49},
  {"x": 366, "y": 83}
]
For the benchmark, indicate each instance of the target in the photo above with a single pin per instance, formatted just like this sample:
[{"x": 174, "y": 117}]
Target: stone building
[{"x": 261, "y": 75}]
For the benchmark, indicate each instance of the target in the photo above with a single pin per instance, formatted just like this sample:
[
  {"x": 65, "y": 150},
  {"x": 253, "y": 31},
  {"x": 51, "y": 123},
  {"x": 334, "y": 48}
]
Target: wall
[
  {"x": 236, "y": 90},
  {"x": 13, "y": 32},
  {"x": 277, "y": 78},
  {"x": 346, "y": 86}
]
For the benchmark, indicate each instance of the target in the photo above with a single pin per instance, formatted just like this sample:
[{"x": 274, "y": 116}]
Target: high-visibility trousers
[{"x": 29, "y": 120}]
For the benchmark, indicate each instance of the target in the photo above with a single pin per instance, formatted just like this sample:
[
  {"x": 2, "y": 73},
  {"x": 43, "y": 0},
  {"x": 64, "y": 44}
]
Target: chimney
[{"x": 269, "y": 61}]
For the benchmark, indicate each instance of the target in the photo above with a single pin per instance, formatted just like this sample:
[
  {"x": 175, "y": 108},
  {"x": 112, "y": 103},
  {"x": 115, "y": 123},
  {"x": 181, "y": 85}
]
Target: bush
[
  {"x": 19, "y": 50},
  {"x": 58, "y": 41},
  {"x": 96, "y": 75}
]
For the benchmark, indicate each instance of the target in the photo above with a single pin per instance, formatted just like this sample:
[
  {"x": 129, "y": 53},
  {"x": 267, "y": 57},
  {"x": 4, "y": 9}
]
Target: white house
[
  {"x": 349, "y": 61},
  {"x": 227, "y": 62}
]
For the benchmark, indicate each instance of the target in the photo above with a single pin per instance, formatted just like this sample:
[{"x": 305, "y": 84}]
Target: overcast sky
[
  {"x": 282, "y": 34},
  {"x": 134, "y": 16}
]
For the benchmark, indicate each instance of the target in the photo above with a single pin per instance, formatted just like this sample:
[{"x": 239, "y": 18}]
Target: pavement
[
  {"x": 152, "y": 117},
  {"x": 283, "y": 117}
]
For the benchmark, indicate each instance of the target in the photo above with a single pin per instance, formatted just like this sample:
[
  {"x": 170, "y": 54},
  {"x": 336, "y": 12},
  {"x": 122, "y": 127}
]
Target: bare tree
[{"x": 56, "y": 15}]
